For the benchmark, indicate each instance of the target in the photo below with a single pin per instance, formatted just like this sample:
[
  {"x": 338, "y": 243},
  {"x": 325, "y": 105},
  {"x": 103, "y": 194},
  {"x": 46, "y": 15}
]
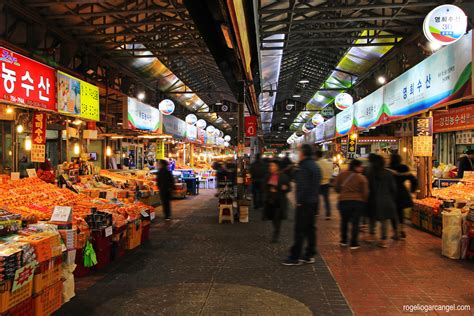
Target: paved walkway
[{"x": 194, "y": 266}]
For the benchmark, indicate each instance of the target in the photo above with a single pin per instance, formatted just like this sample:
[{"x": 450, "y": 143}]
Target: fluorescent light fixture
[
  {"x": 304, "y": 81},
  {"x": 77, "y": 122},
  {"x": 218, "y": 103},
  {"x": 296, "y": 96},
  {"x": 116, "y": 137},
  {"x": 287, "y": 113},
  {"x": 77, "y": 149},
  {"x": 284, "y": 118},
  {"x": 28, "y": 143}
]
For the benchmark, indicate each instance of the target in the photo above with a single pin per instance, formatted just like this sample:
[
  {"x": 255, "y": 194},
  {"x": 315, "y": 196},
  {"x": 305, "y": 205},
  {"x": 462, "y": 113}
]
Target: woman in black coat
[
  {"x": 276, "y": 187},
  {"x": 165, "y": 182},
  {"x": 382, "y": 195},
  {"x": 404, "y": 200}
]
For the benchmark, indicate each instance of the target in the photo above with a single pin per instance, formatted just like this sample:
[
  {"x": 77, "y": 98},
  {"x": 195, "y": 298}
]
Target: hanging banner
[
  {"x": 250, "y": 126},
  {"x": 457, "y": 119},
  {"x": 330, "y": 128},
  {"x": 201, "y": 136},
  {"x": 319, "y": 132},
  {"x": 369, "y": 110},
  {"x": 160, "y": 150},
  {"x": 138, "y": 115},
  {"x": 445, "y": 24},
  {"x": 351, "y": 146},
  {"x": 191, "y": 132},
  {"x": 423, "y": 137},
  {"x": 344, "y": 121},
  {"x": 423, "y": 126},
  {"x": 25, "y": 81},
  {"x": 38, "y": 147},
  {"x": 174, "y": 126},
  {"x": 77, "y": 97},
  {"x": 442, "y": 77}
]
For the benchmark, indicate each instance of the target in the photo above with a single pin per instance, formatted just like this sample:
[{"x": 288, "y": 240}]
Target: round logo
[
  {"x": 191, "y": 119},
  {"x": 343, "y": 101},
  {"x": 225, "y": 108},
  {"x": 317, "y": 119},
  {"x": 166, "y": 107},
  {"x": 445, "y": 24},
  {"x": 201, "y": 124},
  {"x": 328, "y": 111}
]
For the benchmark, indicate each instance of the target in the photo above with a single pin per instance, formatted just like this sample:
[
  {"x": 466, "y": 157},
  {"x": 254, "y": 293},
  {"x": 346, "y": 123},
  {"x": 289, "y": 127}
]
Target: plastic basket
[
  {"x": 47, "y": 274},
  {"x": 25, "y": 308},
  {"x": 9, "y": 299},
  {"x": 48, "y": 301}
]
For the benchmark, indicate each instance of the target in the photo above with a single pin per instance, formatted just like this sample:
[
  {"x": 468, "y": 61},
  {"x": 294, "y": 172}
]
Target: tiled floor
[
  {"x": 195, "y": 266},
  {"x": 380, "y": 281}
]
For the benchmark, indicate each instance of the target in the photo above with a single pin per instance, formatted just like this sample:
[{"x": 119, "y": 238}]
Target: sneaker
[
  {"x": 291, "y": 262},
  {"x": 383, "y": 244},
  {"x": 355, "y": 247},
  {"x": 308, "y": 260},
  {"x": 342, "y": 244}
]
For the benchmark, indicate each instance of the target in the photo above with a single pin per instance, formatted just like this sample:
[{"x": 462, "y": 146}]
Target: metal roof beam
[
  {"x": 338, "y": 45},
  {"x": 134, "y": 34},
  {"x": 156, "y": 9},
  {"x": 36, "y": 3},
  {"x": 336, "y": 30},
  {"x": 364, "y": 7},
  {"x": 332, "y": 38},
  {"x": 345, "y": 19},
  {"x": 125, "y": 24}
]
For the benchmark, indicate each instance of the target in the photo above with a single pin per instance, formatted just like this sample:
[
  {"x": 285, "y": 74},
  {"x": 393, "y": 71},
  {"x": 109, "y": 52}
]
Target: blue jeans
[{"x": 350, "y": 213}]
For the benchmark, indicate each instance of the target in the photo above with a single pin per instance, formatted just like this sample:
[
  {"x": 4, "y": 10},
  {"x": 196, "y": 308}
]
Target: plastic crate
[
  {"x": 9, "y": 299},
  {"x": 134, "y": 235},
  {"x": 25, "y": 308},
  {"x": 48, "y": 301},
  {"x": 415, "y": 216},
  {"x": 426, "y": 220},
  {"x": 47, "y": 274},
  {"x": 145, "y": 230}
]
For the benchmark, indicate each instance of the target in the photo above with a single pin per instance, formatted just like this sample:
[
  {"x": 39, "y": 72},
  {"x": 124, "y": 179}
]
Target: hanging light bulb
[
  {"x": 108, "y": 151},
  {"x": 27, "y": 143},
  {"x": 9, "y": 110},
  {"x": 77, "y": 149},
  {"x": 19, "y": 128}
]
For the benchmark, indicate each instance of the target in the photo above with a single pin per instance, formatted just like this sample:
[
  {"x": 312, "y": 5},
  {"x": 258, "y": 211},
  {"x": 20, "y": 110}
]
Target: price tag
[
  {"x": 31, "y": 173},
  {"x": 145, "y": 214},
  {"x": 62, "y": 214},
  {"x": 108, "y": 231},
  {"x": 110, "y": 195},
  {"x": 15, "y": 176},
  {"x": 23, "y": 276},
  {"x": 152, "y": 215}
]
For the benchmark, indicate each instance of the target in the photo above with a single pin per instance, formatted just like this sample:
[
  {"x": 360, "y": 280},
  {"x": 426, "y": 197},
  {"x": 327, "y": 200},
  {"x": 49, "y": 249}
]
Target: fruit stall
[
  {"x": 49, "y": 236},
  {"x": 435, "y": 215}
]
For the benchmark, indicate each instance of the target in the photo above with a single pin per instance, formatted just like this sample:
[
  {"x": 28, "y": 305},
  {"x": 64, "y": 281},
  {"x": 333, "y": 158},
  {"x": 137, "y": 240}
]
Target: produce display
[
  {"x": 445, "y": 171},
  {"x": 458, "y": 191}
]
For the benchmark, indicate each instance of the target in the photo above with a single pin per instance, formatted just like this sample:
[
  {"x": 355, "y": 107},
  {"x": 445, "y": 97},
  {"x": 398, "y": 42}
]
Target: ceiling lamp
[
  {"x": 304, "y": 81},
  {"x": 141, "y": 96},
  {"x": 317, "y": 119},
  {"x": 296, "y": 95},
  {"x": 381, "y": 79},
  {"x": 77, "y": 149},
  {"x": 201, "y": 124},
  {"x": 343, "y": 101},
  {"x": 191, "y": 119},
  {"x": 19, "y": 129},
  {"x": 166, "y": 107},
  {"x": 108, "y": 151},
  {"x": 216, "y": 132},
  {"x": 9, "y": 110}
]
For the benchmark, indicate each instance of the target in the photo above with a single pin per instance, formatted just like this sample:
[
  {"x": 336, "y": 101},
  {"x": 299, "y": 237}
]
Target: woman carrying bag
[{"x": 276, "y": 187}]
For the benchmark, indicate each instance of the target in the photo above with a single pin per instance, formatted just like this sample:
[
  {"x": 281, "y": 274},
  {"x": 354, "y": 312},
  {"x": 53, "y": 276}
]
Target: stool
[{"x": 226, "y": 213}]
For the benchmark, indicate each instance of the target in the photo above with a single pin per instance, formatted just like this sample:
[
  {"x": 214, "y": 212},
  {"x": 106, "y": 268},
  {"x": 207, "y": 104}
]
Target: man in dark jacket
[
  {"x": 466, "y": 163},
  {"x": 165, "y": 184},
  {"x": 258, "y": 172},
  {"x": 308, "y": 179}
]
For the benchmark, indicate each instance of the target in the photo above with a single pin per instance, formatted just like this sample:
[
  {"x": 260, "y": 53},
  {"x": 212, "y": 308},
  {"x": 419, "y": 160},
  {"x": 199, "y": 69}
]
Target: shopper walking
[
  {"x": 286, "y": 165},
  {"x": 165, "y": 183},
  {"x": 258, "y": 172},
  {"x": 353, "y": 189},
  {"x": 404, "y": 200},
  {"x": 326, "y": 174},
  {"x": 308, "y": 179},
  {"x": 382, "y": 195},
  {"x": 276, "y": 187}
]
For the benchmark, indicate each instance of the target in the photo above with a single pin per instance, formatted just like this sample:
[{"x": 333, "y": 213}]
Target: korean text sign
[
  {"x": 78, "y": 97},
  {"x": 250, "y": 126},
  {"x": 457, "y": 119},
  {"x": 38, "y": 148},
  {"x": 142, "y": 116},
  {"x": 25, "y": 81}
]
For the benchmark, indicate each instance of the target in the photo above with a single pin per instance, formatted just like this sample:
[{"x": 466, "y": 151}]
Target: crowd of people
[{"x": 370, "y": 196}]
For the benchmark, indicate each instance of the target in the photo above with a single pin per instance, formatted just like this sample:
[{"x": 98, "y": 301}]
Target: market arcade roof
[
  {"x": 150, "y": 43},
  {"x": 309, "y": 38}
]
